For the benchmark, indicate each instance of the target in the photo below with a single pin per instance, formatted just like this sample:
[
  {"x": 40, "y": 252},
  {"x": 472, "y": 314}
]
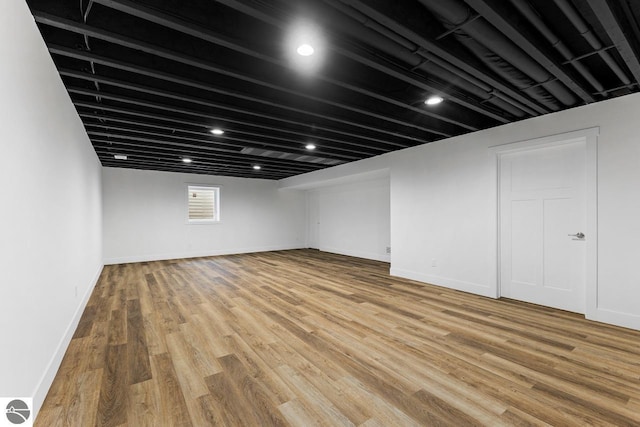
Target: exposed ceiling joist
[
  {"x": 490, "y": 10},
  {"x": 431, "y": 46},
  {"x": 152, "y": 79},
  {"x": 167, "y": 108},
  {"x": 617, "y": 35},
  {"x": 88, "y": 56},
  {"x": 191, "y": 147},
  {"x": 168, "y": 159},
  {"x": 336, "y": 152},
  {"x": 365, "y": 58},
  {"x": 128, "y": 42},
  {"x": 199, "y": 101},
  {"x": 169, "y": 124},
  {"x": 174, "y": 23},
  {"x": 175, "y": 136}
]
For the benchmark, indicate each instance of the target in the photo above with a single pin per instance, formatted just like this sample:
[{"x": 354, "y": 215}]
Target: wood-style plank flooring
[{"x": 305, "y": 338}]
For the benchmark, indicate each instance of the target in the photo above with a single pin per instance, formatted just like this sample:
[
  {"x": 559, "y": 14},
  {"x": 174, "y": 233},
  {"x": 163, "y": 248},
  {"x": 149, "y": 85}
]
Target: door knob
[{"x": 579, "y": 235}]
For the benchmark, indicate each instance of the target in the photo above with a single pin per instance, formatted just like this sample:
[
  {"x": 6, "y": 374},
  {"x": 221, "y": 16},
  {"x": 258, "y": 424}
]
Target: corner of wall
[{"x": 43, "y": 386}]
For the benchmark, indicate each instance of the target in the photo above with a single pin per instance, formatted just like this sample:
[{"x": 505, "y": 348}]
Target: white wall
[
  {"x": 351, "y": 219},
  {"x": 145, "y": 217},
  {"x": 441, "y": 203},
  {"x": 50, "y": 211},
  {"x": 439, "y": 212}
]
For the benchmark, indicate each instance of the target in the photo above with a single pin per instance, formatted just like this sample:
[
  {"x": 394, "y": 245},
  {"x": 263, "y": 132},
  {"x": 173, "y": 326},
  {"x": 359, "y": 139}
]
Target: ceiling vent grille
[{"x": 290, "y": 156}]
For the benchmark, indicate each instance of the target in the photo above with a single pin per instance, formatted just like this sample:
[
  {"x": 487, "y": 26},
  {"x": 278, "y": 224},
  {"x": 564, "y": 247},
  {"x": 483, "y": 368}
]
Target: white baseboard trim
[
  {"x": 459, "y": 285},
  {"x": 41, "y": 390},
  {"x": 358, "y": 254},
  {"x": 197, "y": 254},
  {"x": 617, "y": 318}
]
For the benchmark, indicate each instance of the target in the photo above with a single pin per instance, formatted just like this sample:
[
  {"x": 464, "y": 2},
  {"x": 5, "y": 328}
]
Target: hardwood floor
[{"x": 306, "y": 338}]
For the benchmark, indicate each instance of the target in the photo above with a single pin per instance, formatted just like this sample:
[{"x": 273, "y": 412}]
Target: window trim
[{"x": 217, "y": 190}]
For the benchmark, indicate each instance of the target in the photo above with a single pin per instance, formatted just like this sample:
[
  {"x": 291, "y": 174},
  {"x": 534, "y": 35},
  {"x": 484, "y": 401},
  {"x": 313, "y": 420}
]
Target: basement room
[{"x": 320, "y": 213}]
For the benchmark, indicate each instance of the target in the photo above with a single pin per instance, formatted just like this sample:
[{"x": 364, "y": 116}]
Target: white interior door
[{"x": 542, "y": 216}]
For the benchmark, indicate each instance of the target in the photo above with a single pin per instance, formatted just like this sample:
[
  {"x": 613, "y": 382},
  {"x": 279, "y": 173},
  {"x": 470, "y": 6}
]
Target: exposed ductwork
[
  {"x": 396, "y": 46},
  {"x": 343, "y": 22},
  {"x": 432, "y": 50},
  {"x": 153, "y": 80},
  {"x": 509, "y": 73},
  {"x": 507, "y": 56},
  {"x": 274, "y": 154},
  {"x": 582, "y": 27},
  {"x": 528, "y": 12},
  {"x": 446, "y": 127}
]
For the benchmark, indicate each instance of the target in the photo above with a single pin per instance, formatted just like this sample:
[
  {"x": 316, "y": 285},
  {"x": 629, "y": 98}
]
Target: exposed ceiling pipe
[
  {"x": 623, "y": 42},
  {"x": 408, "y": 53},
  {"x": 68, "y": 25},
  {"x": 392, "y": 44},
  {"x": 454, "y": 13},
  {"x": 507, "y": 72},
  {"x": 496, "y": 14},
  {"x": 527, "y": 10},
  {"x": 103, "y": 130},
  {"x": 403, "y": 75},
  {"x": 85, "y": 15},
  {"x": 225, "y": 154},
  {"x": 201, "y": 114},
  {"x": 169, "y": 164},
  {"x": 327, "y": 151},
  {"x": 193, "y": 100},
  {"x": 125, "y": 132},
  {"x": 374, "y": 62},
  {"x": 633, "y": 22},
  {"x": 169, "y": 157},
  {"x": 584, "y": 30},
  {"x": 198, "y": 150},
  {"x": 207, "y": 118},
  {"x": 287, "y": 154},
  {"x": 206, "y": 124},
  {"x": 177, "y": 24},
  {"x": 87, "y": 56},
  {"x": 427, "y": 46},
  {"x": 172, "y": 166}
]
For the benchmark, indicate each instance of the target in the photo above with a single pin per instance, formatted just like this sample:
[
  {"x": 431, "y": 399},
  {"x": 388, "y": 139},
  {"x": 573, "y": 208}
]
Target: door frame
[{"x": 590, "y": 137}]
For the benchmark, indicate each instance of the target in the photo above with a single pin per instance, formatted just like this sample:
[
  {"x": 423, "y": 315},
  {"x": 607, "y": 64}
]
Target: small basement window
[{"x": 203, "y": 204}]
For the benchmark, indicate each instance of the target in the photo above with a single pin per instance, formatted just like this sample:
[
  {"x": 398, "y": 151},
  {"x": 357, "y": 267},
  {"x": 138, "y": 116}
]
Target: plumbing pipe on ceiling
[
  {"x": 584, "y": 30},
  {"x": 532, "y": 15},
  {"x": 431, "y": 50},
  {"x": 506, "y": 56},
  {"x": 394, "y": 45}
]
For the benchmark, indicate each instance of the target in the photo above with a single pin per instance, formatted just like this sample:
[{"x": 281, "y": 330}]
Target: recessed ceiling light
[
  {"x": 186, "y": 160},
  {"x": 257, "y": 167},
  {"x": 434, "y": 100},
  {"x": 120, "y": 157},
  {"x": 305, "y": 46},
  {"x": 310, "y": 146},
  {"x": 217, "y": 131},
  {"x": 305, "y": 49}
]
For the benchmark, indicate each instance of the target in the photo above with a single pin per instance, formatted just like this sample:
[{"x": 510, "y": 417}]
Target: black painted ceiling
[{"x": 151, "y": 78}]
